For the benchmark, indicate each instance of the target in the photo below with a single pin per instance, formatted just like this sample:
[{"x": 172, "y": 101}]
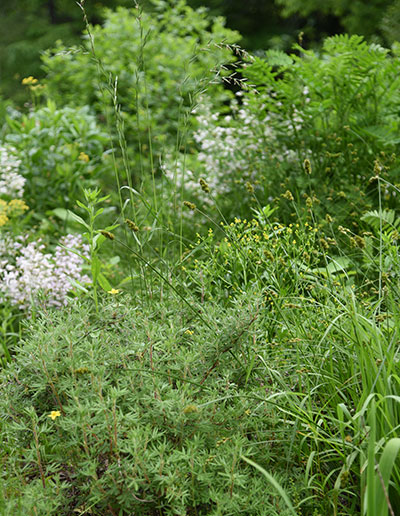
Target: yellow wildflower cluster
[
  {"x": 29, "y": 81},
  {"x": 3, "y": 213},
  {"x": 11, "y": 209},
  {"x": 83, "y": 157},
  {"x": 32, "y": 83}
]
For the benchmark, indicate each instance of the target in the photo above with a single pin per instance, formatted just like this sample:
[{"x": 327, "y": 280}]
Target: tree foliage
[
  {"x": 28, "y": 27},
  {"x": 152, "y": 65}
]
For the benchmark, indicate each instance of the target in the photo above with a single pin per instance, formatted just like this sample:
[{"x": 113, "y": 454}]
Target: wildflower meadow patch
[{"x": 199, "y": 270}]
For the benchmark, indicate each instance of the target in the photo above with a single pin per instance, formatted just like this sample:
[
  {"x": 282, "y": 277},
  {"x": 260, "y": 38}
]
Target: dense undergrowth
[{"x": 199, "y": 284}]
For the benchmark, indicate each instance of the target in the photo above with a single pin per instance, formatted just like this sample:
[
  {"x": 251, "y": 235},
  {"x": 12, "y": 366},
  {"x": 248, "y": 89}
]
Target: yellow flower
[
  {"x": 3, "y": 219},
  {"x": 54, "y": 414},
  {"x": 3, "y": 213},
  {"x": 83, "y": 157},
  {"x": 113, "y": 291},
  {"x": 29, "y": 81},
  {"x": 16, "y": 207}
]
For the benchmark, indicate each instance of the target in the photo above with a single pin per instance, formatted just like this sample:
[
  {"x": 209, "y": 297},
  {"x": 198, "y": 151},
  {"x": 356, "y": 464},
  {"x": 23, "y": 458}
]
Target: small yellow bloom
[
  {"x": 113, "y": 291},
  {"x": 3, "y": 219},
  {"x": 189, "y": 409},
  {"x": 16, "y": 207},
  {"x": 189, "y": 332},
  {"x": 83, "y": 157},
  {"x": 29, "y": 81},
  {"x": 54, "y": 414}
]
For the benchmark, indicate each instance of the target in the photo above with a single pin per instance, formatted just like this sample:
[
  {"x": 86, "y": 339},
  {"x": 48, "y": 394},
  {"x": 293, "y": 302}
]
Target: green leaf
[
  {"x": 274, "y": 483},
  {"x": 377, "y": 218},
  {"x": 104, "y": 283},
  {"x": 386, "y": 465},
  {"x": 78, "y": 219},
  {"x": 336, "y": 265},
  {"x": 78, "y": 285},
  {"x": 95, "y": 267},
  {"x": 278, "y": 58},
  {"x": 60, "y": 213},
  {"x": 81, "y": 205},
  {"x": 98, "y": 240}
]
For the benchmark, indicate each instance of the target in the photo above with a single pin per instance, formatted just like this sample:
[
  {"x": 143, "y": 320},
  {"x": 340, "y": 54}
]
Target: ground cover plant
[{"x": 199, "y": 276}]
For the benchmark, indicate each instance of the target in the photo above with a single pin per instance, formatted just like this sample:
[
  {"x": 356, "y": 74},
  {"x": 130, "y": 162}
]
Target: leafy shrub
[
  {"x": 60, "y": 151},
  {"x": 30, "y": 27},
  {"x": 161, "y": 60},
  {"x": 356, "y": 17},
  {"x": 130, "y": 413},
  {"x": 320, "y": 126},
  {"x": 339, "y": 110}
]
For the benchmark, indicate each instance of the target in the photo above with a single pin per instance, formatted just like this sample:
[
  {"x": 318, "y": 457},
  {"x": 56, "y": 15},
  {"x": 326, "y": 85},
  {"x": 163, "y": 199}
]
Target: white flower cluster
[
  {"x": 28, "y": 273},
  {"x": 11, "y": 182},
  {"x": 237, "y": 151},
  {"x": 230, "y": 147}
]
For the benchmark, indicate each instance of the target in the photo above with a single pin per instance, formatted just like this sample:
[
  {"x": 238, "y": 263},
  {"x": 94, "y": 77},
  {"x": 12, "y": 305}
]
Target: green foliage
[
  {"x": 95, "y": 239},
  {"x": 129, "y": 413},
  {"x": 29, "y": 27},
  {"x": 155, "y": 64},
  {"x": 61, "y": 150},
  {"x": 258, "y": 255},
  {"x": 359, "y": 17},
  {"x": 380, "y": 251},
  {"x": 390, "y": 24},
  {"x": 256, "y": 369},
  {"x": 342, "y": 334},
  {"x": 338, "y": 111}
]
